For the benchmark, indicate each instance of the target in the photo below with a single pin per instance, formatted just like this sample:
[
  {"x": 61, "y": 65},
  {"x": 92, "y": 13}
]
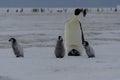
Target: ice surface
[{"x": 38, "y": 33}]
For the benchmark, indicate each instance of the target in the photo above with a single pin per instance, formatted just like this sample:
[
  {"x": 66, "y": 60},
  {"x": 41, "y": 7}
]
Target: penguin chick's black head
[
  {"x": 86, "y": 43},
  {"x": 60, "y": 38},
  {"x": 77, "y": 11},
  {"x": 12, "y": 39}
]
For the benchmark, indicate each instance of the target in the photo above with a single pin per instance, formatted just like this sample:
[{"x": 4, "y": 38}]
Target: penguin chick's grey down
[
  {"x": 89, "y": 50},
  {"x": 17, "y": 49},
  {"x": 59, "y": 48}
]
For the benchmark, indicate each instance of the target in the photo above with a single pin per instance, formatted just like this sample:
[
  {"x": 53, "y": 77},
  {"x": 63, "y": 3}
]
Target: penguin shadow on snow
[
  {"x": 59, "y": 48},
  {"x": 17, "y": 49}
]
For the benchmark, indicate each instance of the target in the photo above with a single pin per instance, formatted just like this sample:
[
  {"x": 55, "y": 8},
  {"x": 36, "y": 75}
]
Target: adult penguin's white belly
[
  {"x": 73, "y": 33},
  {"x": 73, "y": 38}
]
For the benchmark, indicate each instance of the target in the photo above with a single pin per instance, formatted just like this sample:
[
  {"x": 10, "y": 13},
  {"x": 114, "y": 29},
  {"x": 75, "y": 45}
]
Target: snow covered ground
[{"x": 37, "y": 33}]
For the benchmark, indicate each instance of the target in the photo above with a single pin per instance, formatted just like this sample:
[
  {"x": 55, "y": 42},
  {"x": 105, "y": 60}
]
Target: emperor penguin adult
[
  {"x": 59, "y": 48},
  {"x": 17, "y": 49},
  {"x": 89, "y": 50},
  {"x": 73, "y": 35}
]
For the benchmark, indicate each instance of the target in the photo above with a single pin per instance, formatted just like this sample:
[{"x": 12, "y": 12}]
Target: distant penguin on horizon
[
  {"x": 89, "y": 50},
  {"x": 73, "y": 36},
  {"x": 59, "y": 48},
  {"x": 17, "y": 49}
]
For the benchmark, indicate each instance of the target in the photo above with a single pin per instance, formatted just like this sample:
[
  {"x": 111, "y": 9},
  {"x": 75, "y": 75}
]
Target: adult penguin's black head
[
  {"x": 12, "y": 39},
  {"x": 77, "y": 11}
]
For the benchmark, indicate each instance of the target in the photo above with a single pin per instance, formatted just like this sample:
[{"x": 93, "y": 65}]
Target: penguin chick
[
  {"x": 59, "y": 48},
  {"x": 17, "y": 49},
  {"x": 89, "y": 50}
]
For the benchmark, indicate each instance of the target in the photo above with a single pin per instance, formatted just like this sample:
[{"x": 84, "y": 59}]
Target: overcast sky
[{"x": 59, "y": 3}]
